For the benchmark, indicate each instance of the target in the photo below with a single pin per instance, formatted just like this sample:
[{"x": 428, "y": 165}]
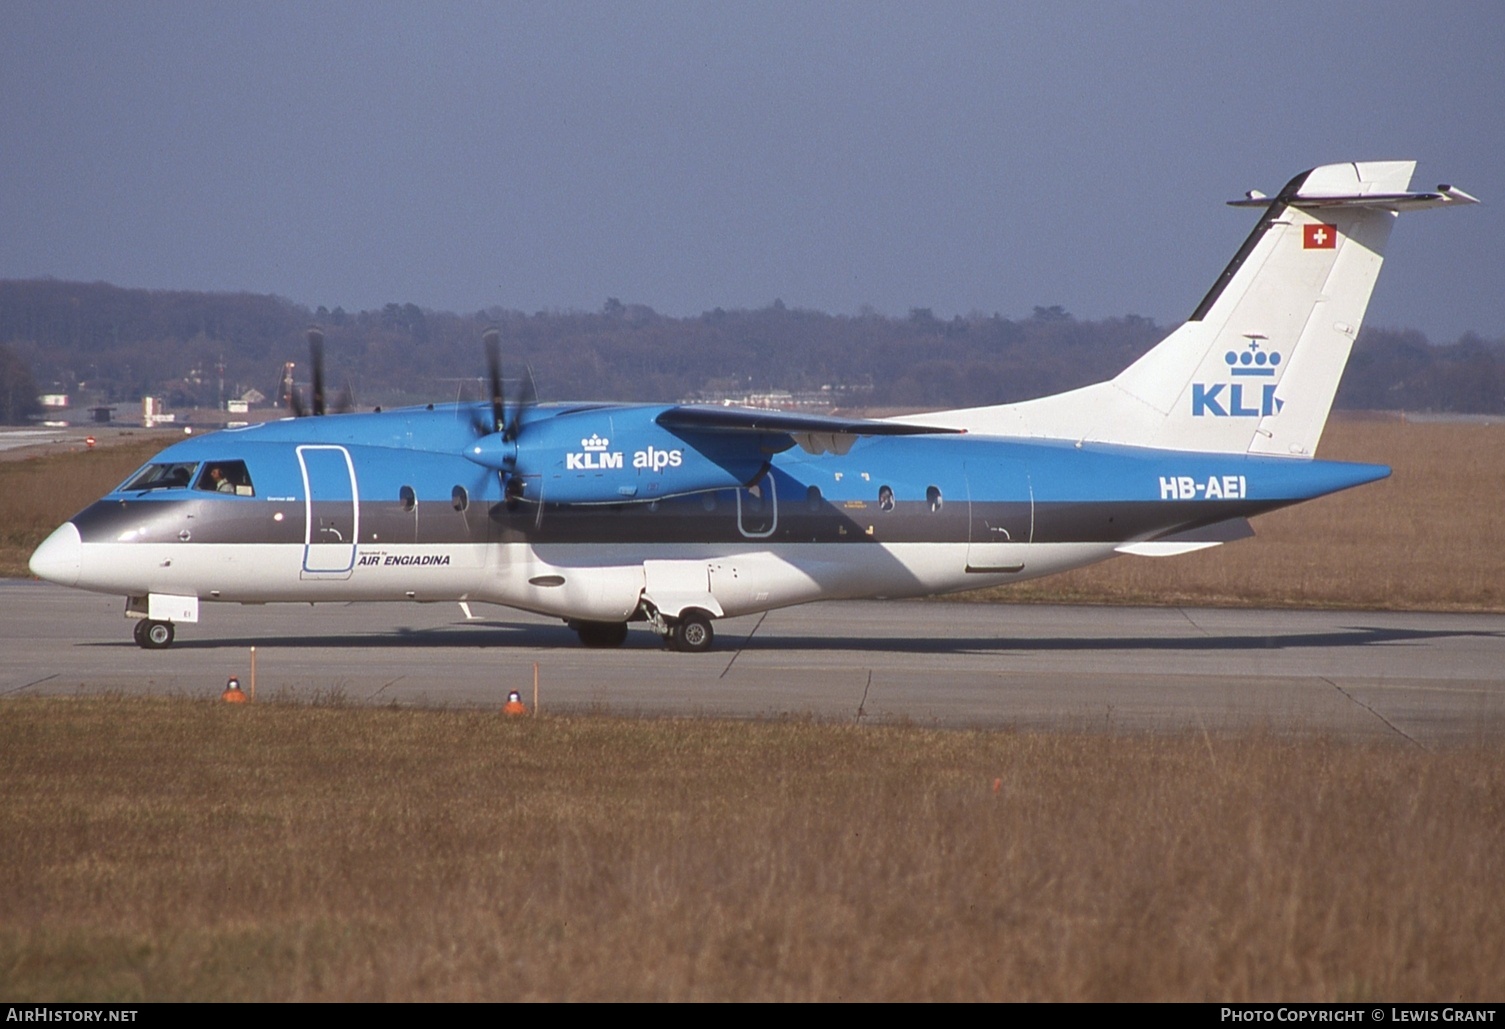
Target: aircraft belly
[
  {"x": 587, "y": 582},
  {"x": 590, "y": 581}
]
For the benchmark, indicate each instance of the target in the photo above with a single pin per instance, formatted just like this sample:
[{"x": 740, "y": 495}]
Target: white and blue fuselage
[
  {"x": 605, "y": 514},
  {"x": 386, "y": 507}
]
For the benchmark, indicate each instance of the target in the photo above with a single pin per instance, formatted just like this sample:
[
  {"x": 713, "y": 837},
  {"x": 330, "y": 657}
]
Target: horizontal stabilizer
[
  {"x": 1218, "y": 532},
  {"x": 1191, "y": 540},
  {"x": 1164, "y": 548},
  {"x": 1444, "y": 195}
]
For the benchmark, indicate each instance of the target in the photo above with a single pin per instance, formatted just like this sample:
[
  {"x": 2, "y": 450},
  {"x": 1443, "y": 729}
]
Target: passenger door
[
  {"x": 332, "y": 517},
  {"x": 1001, "y": 513}
]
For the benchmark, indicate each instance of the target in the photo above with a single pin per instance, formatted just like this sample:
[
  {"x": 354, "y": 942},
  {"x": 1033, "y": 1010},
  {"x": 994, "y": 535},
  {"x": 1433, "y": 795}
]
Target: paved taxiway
[{"x": 1423, "y": 678}]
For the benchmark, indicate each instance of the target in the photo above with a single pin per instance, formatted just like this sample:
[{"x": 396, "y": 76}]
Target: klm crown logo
[
  {"x": 594, "y": 457},
  {"x": 1253, "y": 361},
  {"x": 1227, "y": 399}
]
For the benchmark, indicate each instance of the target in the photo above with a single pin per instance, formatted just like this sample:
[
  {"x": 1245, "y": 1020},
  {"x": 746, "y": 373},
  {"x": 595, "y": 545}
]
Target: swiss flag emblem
[{"x": 1319, "y": 237}]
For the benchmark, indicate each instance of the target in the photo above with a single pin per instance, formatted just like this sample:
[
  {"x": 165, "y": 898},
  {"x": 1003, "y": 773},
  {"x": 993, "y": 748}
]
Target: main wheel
[
  {"x": 602, "y": 634},
  {"x": 692, "y": 633},
  {"x": 153, "y": 635}
]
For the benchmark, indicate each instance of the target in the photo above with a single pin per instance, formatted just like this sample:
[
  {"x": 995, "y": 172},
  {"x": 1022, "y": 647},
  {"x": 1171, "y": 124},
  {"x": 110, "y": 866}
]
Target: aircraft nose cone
[{"x": 59, "y": 558}]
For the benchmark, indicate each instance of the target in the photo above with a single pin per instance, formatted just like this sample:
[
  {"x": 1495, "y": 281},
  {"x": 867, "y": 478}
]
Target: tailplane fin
[{"x": 1256, "y": 366}]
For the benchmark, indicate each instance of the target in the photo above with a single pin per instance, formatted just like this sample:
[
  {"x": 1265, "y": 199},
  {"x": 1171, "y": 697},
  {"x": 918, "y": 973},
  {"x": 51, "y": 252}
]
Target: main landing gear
[
  {"x": 152, "y": 635},
  {"x": 691, "y": 632}
]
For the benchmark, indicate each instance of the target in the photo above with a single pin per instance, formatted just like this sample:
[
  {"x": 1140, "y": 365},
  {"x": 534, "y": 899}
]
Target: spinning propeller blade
[
  {"x": 506, "y": 413},
  {"x": 492, "y": 340},
  {"x": 316, "y": 357}
]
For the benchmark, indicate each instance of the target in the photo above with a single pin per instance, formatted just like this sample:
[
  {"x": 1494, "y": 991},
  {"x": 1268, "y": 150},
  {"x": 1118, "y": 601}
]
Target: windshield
[{"x": 160, "y": 476}]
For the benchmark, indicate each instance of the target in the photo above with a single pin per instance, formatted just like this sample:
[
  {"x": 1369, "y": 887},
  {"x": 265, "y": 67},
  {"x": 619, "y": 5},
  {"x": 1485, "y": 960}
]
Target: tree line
[{"x": 105, "y": 344}]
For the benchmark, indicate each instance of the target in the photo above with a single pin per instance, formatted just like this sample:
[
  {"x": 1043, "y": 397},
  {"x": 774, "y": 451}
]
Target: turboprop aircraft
[{"x": 676, "y": 515}]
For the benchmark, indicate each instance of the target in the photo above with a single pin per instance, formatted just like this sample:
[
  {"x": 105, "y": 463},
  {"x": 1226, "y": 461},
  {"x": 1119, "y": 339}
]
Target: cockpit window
[
  {"x": 226, "y": 477},
  {"x": 160, "y": 476}
]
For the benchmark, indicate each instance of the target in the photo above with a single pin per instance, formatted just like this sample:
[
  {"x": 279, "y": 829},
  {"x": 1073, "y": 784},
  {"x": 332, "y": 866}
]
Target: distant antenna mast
[{"x": 287, "y": 385}]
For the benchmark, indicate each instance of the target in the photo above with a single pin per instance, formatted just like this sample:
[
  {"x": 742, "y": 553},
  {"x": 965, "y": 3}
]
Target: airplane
[{"x": 675, "y": 515}]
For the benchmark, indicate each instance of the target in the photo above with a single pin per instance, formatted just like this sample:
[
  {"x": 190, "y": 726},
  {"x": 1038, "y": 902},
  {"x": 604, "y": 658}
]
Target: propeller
[
  {"x": 505, "y": 418},
  {"x": 318, "y": 401},
  {"x": 316, "y": 359},
  {"x": 491, "y": 339}
]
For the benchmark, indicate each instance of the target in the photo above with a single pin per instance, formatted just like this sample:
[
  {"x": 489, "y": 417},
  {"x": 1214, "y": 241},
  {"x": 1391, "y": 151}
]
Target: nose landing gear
[{"x": 153, "y": 635}]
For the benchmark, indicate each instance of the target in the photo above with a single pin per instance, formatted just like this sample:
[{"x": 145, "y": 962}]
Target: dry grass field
[
  {"x": 37, "y": 494},
  {"x": 171, "y": 849},
  {"x": 1430, "y": 537},
  {"x": 163, "y": 850}
]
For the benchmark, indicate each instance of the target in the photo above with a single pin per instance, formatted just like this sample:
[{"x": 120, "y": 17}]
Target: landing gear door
[
  {"x": 1001, "y": 513},
  {"x": 674, "y": 586},
  {"x": 332, "y": 518}
]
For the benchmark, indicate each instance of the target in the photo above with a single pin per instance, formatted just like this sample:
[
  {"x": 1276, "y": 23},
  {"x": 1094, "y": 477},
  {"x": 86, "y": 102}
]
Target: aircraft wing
[{"x": 817, "y": 434}]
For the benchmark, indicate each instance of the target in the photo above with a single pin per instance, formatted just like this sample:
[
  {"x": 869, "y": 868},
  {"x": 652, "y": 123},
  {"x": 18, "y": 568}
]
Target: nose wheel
[{"x": 152, "y": 635}]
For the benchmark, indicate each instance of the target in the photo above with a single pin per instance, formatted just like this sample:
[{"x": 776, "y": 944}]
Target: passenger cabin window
[
  {"x": 459, "y": 498},
  {"x": 933, "y": 497},
  {"x": 160, "y": 476},
  {"x": 408, "y": 497},
  {"x": 226, "y": 477},
  {"x": 885, "y": 498}
]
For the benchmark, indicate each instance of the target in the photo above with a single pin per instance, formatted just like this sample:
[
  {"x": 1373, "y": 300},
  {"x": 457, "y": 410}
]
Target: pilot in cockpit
[
  {"x": 226, "y": 477},
  {"x": 218, "y": 481}
]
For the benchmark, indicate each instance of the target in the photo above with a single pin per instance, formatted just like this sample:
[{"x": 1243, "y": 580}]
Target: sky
[{"x": 962, "y": 157}]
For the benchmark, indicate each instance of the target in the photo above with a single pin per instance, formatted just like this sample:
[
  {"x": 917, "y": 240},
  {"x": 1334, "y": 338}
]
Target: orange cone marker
[{"x": 233, "y": 693}]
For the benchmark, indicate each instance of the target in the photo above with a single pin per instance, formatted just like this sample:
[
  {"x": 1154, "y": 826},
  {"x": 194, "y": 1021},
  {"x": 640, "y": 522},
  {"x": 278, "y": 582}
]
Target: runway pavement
[{"x": 1417, "y": 679}]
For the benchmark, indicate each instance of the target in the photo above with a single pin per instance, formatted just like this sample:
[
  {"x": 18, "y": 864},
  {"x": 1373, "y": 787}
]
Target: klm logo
[
  {"x": 596, "y": 458},
  {"x": 1211, "y": 400},
  {"x": 1240, "y": 399}
]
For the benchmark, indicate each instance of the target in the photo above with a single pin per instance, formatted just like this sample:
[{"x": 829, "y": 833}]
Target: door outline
[
  {"x": 323, "y": 558},
  {"x": 993, "y": 549},
  {"x": 766, "y": 482}
]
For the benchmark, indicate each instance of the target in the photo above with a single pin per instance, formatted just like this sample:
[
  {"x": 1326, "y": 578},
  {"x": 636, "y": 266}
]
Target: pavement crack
[
  {"x": 1182, "y": 612},
  {"x": 34, "y": 682},
  {"x": 745, "y": 642},
  {"x": 391, "y": 682},
  {"x": 1393, "y": 727}
]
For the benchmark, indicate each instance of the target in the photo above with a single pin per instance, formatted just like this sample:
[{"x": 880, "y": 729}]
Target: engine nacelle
[{"x": 613, "y": 456}]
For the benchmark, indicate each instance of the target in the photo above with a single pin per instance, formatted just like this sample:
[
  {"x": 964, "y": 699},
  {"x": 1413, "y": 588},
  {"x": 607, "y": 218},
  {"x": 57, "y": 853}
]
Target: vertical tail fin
[{"x": 1256, "y": 366}]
